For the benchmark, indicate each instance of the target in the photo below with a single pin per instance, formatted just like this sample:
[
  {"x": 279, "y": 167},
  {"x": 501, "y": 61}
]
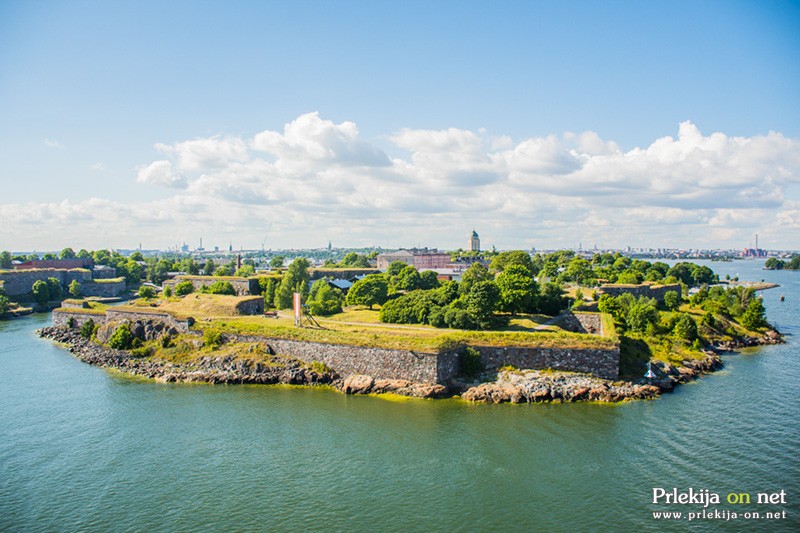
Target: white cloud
[
  {"x": 51, "y": 143},
  {"x": 323, "y": 181}
]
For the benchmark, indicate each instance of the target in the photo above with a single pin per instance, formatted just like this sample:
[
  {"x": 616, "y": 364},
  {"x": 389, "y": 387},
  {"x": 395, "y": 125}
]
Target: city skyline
[{"x": 542, "y": 126}]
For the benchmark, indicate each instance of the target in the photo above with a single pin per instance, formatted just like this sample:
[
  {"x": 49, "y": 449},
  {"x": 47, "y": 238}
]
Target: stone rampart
[
  {"x": 61, "y": 317},
  {"x": 645, "y": 289},
  {"x": 118, "y": 315},
  {"x": 602, "y": 363},
  {"x": 105, "y": 289},
  {"x": 583, "y": 323},
  {"x": 20, "y": 282},
  {"x": 253, "y": 305},
  {"x": 242, "y": 286}
]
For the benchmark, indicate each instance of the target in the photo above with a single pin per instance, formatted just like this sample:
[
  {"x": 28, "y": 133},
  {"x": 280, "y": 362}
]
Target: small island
[{"x": 512, "y": 328}]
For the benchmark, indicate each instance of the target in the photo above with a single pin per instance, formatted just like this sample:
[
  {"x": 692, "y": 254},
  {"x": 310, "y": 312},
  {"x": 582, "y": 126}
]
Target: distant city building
[
  {"x": 474, "y": 242},
  {"x": 421, "y": 259}
]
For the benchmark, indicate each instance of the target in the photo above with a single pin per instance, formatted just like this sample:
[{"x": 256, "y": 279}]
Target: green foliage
[
  {"x": 87, "y": 329},
  {"x": 354, "y": 260},
  {"x": 642, "y": 315},
  {"x": 212, "y": 338},
  {"x": 518, "y": 290},
  {"x": 41, "y": 292},
  {"x": 325, "y": 300},
  {"x": 223, "y": 270},
  {"x": 245, "y": 271},
  {"x": 475, "y": 273},
  {"x": 136, "y": 256},
  {"x": 395, "y": 267},
  {"x": 4, "y": 304},
  {"x": 685, "y": 328},
  {"x": 371, "y": 290},
  {"x": 672, "y": 300},
  {"x": 428, "y": 280},
  {"x": 147, "y": 292},
  {"x": 295, "y": 280},
  {"x": 414, "y": 307},
  {"x": 469, "y": 362},
  {"x": 482, "y": 301},
  {"x": 407, "y": 279},
  {"x": 54, "y": 288},
  {"x": 167, "y": 291},
  {"x": 5, "y": 260},
  {"x": 277, "y": 261},
  {"x": 221, "y": 287},
  {"x": 122, "y": 338},
  {"x": 209, "y": 268},
  {"x": 515, "y": 257},
  {"x": 777, "y": 264},
  {"x": 75, "y": 289},
  {"x": 67, "y": 253},
  {"x": 268, "y": 287},
  {"x": 754, "y": 315},
  {"x": 632, "y": 277},
  {"x": 183, "y": 288},
  {"x": 552, "y": 299}
]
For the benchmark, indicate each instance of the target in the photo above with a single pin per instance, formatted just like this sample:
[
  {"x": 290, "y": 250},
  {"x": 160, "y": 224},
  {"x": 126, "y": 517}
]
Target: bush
[
  {"x": 70, "y": 322},
  {"x": 75, "y": 289},
  {"x": 41, "y": 292},
  {"x": 685, "y": 328},
  {"x": 458, "y": 319},
  {"x": 212, "y": 339},
  {"x": 469, "y": 361},
  {"x": 122, "y": 338},
  {"x": 167, "y": 291},
  {"x": 54, "y": 288},
  {"x": 183, "y": 288},
  {"x": 147, "y": 292},
  {"x": 87, "y": 329},
  {"x": 222, "y": 287},
  {"x": 672, "y": 300}
]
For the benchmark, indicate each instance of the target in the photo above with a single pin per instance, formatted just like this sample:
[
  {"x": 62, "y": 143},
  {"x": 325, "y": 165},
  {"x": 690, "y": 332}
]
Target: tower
[{"x": 474, "y": 242}]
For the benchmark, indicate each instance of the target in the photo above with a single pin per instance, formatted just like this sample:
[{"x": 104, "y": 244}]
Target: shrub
[
  {"x": 685, "y": 328},
  {"x": 222, "y": 287},
  {"x": 458, "y": 319},
  {"x": 74, "y": 288},
  {"x": 122, "y": 338},
  {"x": 41, "y": 292},
  {"x": 469, "y": 361},
  {"x": 54, "y": 288},
  {"x": 183, "y": 288},
  {"x": 672, "y": 300},
  {"x": 147, "y": 292},
  {"x": 167, "y": 291},
  {"x": 212, "y": 339},
  {"x": 87, "y": 329}
]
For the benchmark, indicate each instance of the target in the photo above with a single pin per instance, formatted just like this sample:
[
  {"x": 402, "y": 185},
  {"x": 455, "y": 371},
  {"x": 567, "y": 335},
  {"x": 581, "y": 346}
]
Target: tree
[
  {"x": 209, "y": 267},
  {"x": 515, "y": 257},
  {"x": 167, "y": 291},
  {"x": 223, "y": 270},
  {"x": 67, "y": 253},
  {"x": 354, "y": 260},
  {"x": 481, "y": 302},
  {"x": 5, "y": 260},
  {"x": 87, "y": 329},
  {"x": 268, "y": 287},
  {"x": 222, "y": 287},
  {"x": 75, "y": 289},
  {"x": 54, "y": 288},
  {"x": 685, "y": 328},
  {"x": 157, "y": 271},
  {"x": 518, "y": 290},
  {"x": 631, "y": 277},
  {"x": 395, "y": 267},
  {"x": 640, "y": 315},
  {"x": 324, "y": 300},
  {"x": 41, "y": 292},
  {"x": 672, "y": 300},
  {"x": 183, "y": 288},
  {"x": 475, "y": 273},
  {"x": 407, "y": 279},
  {"x": 136, "y": 256},
  {"x": 754, "y": 315},
  {"x": 84, "y": 254},
  {"x": 3, "y": 304},
  {"x": 295, "y": 280},
  {"x": 552, "y": 299},
  {"x": 147, "y": 292},
  {"x": 428, "y": 279},
  {"x": 371, "y": 290},
  {"x": 134, "y": 272},
  {"x": 245, "y": 271},
  {"x": 277, "y": 261},
  {"x": 122, "y": 338}
]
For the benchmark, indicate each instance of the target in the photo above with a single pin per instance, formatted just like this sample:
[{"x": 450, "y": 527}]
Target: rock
[{"x": 358, "y": 384}]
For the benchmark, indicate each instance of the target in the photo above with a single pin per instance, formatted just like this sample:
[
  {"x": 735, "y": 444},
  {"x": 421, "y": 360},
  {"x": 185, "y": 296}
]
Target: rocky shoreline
[{"x": 514, "y": 386}]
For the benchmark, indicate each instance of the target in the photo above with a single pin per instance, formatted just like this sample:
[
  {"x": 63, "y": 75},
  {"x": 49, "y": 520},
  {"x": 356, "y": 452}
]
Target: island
[{"x": 518, "y": 328}]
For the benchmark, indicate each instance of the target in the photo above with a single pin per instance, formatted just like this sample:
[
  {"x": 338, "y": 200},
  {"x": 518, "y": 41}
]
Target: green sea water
[{"x": 84, "y": 449}]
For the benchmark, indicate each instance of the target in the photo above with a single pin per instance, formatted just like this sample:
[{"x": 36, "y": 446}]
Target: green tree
[
  {"x": 475, "y": 273},
  {"x": 672, "y": 300},
  {"x": 754, "y": 316},
  {"x": 325, "y": 300},
  {"x": 369, "y": 291},
  {"x": 295, "y": 280},
  {"x": 428, "y": 279},
  {"x": 122, "y": 338},
  {"x": 268, "y": 286},
  {"x": 685, "y": 328},
  {"x": 518, "y": 290},
  {"x": 5, "y": 260},
  {"x": 136, "y": 256},
  {"x": 277, "y": 261},
  {"x": 183, "y": 288},
  {"x": 641, "y": 315},
  {"x": 552, "y": 299},
  {"x": 515, "y": 257},
  {"x": 4, "y": 304},
  {"x": 245, "y": 271},
  {"x": 222, "y": 271},
  {"x": 54, "y": 289},
  {"x": 354, "y": 260},
  {"x": 167, "y": 291},
  {"x": 48, "y": 256},
  {"x": 209, "y": 268},
  {"x": 407, "y": 279},
  {"x": 222, "y": 287},
  {"x": 632, "y": 277},
  {"x": 41, "y": 292},
  {"x": 157, "y": 271},
  {"x": 147, "y": 292},
  {"x": 395, "y": 267},
  {"x": 84, "y": 254},
  {"x": 482, "y": 301},
  {"x": 87, "y": 329},
  {"x": 75, "y": 289},
  {"x": 67, "y": 253}
]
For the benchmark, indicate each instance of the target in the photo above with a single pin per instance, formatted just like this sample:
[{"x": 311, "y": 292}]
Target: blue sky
[{"x": 540, "y": 124}]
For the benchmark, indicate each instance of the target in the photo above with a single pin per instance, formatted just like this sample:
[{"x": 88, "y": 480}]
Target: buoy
[{"x": 782, "y": 297}]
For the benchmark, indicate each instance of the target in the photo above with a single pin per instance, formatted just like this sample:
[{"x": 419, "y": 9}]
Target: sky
[{"x": 540, "y": 124}]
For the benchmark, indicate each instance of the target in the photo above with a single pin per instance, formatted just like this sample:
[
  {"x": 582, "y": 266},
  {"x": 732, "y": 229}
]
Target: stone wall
[
  {"x": 118, "y": 315},
  {"x": 583, "y": 323},
  {"x": 339, "y": 273},
  {"x": 602, "y": 363},
  {"x": 20, "y": 282},
  {"x": 647, "y": 290},
  {"x": 380, "y": 363},
  {"x": 106, "y": 289},
  {"x": 251, "y": 306},
  {"x": 242, "y": 286},
  {"x": 61, "y": 317}
]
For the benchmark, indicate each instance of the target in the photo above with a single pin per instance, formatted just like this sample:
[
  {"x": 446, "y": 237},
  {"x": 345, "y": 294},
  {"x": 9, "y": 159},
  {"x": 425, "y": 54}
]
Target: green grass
[
  {"x": 82, "y": 310},
  {"x": 109, "y": 280}
]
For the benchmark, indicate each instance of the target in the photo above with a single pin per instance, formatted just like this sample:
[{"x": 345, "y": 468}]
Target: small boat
[{"x": 782, "y": 297}]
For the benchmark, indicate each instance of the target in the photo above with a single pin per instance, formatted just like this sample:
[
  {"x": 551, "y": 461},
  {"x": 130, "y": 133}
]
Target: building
[
  {"x": 474, "y": 242},
  {"x": 61, "y": 264},
  {"x": 421, "y": 259}
]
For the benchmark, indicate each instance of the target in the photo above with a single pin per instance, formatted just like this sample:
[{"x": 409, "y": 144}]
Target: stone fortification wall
[
  {"x": 106, "y": 289},
  {"x": 118, "y": 315},
  {"x": 20, "y": 282},
  {"x": 251, "y": 306},
  {"x": 380, "y": 363},
  {"x": 649, "y": 291},
  {"x": 61, "y": 317},
  {"x": 583, "y": 323},
  {"x": 602, "y": 363},
  {"x": 242, "y": 286}
]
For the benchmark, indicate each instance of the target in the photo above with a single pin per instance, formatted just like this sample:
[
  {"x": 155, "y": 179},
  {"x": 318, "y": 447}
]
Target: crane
[{"x": 265, "y": 236}]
